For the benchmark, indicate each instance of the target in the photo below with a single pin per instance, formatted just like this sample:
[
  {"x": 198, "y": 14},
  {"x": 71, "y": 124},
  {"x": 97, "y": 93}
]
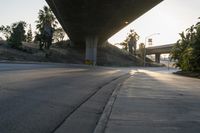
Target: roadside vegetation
[{"x": 186, "y": 52}]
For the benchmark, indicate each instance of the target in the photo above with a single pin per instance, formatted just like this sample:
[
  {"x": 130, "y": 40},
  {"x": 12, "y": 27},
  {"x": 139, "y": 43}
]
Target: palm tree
[
  {"x": 44, "y": 16},
  {"x": 132, "y": 38}
]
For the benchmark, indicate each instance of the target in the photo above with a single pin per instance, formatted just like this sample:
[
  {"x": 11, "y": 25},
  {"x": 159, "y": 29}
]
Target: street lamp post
[{"x": 145, "y": 43}]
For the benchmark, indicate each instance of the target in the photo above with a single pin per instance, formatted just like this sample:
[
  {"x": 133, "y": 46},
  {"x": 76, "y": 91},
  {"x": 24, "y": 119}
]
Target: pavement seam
[{"x": 101, "y": 125}]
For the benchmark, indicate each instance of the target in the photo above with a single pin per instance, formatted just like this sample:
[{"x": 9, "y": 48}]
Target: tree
[
  {"x": 187, "y": 49},
  {"x": 18, "y": 34},
  {"x": 133, "y": 37},
  {"x": 15, "y": 33},
  {"x": 130, "y": 43},
  {"x": 58, "y": 35},
  {"x": 6, "y": 30},
  {"x": 46, "y": 24},
  {"x": 37, "y": 37},
  {"x": 44, "y": 16},
  {"x": 29, "y": 36},
  {"x": 124, "y": 45},
  {"x": 142, "y": 50}
]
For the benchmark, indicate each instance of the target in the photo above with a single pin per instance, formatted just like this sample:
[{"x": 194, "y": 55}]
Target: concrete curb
[{"x": 101, "y": 125}]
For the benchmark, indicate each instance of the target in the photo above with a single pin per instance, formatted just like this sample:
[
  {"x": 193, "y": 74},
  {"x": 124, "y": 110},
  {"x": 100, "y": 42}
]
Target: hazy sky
[
  {"x": 168, "y": 18},
  {"x": 15, "y": 10}
]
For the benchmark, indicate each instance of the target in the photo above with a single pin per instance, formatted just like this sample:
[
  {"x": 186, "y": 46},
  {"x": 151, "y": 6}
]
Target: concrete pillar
[
  {"x": 71, "y": 44},
  {"x": 91, "y": 50},
  {"x": 157, "y": 58}
]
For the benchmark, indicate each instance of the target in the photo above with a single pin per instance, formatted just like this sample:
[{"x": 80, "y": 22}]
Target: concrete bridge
[
  {"x": 91, "y": 22},
  {"x": 158, "y": 50}
]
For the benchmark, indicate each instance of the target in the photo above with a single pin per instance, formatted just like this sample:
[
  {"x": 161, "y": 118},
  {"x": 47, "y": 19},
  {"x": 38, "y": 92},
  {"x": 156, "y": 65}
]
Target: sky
[
  {"x": 169, "y": 18},
  {"x": 15, "y": 10}
]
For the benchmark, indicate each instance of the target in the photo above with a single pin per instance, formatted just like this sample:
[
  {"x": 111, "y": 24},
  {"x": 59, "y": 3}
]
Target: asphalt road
[{"x": 39, "y": 98}]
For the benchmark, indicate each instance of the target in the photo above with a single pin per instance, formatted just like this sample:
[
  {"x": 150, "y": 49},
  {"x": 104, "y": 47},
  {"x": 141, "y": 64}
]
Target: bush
[{"x": 187, "y": 49}]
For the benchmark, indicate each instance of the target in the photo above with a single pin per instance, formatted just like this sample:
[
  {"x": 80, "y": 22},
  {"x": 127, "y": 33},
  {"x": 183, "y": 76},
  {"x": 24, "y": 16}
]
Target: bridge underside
[
  {"x": 97, "y": 19},
  {"x": 102, "y": 18}
]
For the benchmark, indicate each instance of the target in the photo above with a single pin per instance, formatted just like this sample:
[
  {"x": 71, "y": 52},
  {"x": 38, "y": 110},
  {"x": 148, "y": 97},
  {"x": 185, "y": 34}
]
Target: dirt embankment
[
  {"x": 31, "y": 52},
  {"x": 108, "y": 55}
]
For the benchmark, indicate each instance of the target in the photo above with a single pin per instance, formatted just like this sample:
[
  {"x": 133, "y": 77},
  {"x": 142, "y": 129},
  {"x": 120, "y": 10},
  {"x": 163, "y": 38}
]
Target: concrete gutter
[{"x": 101, "y": 125}]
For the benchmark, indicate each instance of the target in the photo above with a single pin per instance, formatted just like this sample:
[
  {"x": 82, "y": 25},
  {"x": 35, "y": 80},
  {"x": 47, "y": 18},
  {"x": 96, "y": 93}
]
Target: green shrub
[{"x": 187, "y": 50}]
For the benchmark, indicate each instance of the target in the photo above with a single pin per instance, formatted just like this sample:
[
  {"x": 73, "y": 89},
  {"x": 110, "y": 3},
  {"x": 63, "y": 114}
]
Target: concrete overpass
[
  {"x": 91, "y": 22},
  {"x": 158, "y": 50}
]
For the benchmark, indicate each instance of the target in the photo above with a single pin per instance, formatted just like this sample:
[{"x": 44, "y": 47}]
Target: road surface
[
  {"x": 60, "y": 98},
  {"x": 40, "y": 98}
]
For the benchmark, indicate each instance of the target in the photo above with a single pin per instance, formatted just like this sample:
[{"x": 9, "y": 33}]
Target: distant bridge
[
  {"x": 163, "y": 49},
  {"x": 158, "y": 50}
]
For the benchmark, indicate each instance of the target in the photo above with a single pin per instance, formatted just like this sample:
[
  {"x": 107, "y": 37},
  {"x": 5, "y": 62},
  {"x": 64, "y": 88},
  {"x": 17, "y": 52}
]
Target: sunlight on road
[
  {"x": 108, "y": 72},
  {"x": 132, "y": 72}
]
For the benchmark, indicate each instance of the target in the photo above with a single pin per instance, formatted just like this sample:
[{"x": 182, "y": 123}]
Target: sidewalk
[{"x": 150, "y": 102}]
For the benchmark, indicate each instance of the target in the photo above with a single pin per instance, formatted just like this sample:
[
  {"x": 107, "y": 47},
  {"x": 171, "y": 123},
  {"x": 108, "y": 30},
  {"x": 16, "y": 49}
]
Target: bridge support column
[
  {"x": 157, "y": 58},
  {"x": 91, "y": 50}
]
